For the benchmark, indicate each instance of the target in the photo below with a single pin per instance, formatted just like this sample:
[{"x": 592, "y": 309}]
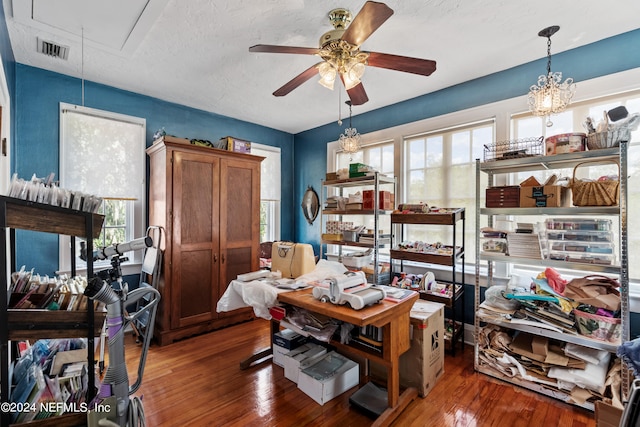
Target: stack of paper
[{"x": 524, "y": 245}]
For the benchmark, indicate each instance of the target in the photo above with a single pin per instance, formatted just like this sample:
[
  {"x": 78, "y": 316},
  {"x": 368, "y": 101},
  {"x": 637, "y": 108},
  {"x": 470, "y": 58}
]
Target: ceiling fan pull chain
[{"x": 339, "y": 108}]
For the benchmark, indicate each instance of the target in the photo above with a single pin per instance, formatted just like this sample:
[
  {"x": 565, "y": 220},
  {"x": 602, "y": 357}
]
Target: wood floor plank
[{"x": 198, "y": 382}]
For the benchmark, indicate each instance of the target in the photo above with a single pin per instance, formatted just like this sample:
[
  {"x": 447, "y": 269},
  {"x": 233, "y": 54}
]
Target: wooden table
[{"x": 392, "y": 317}]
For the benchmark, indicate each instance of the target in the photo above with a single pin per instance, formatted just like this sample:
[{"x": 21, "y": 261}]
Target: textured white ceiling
[{"x": 195, "y": 52}]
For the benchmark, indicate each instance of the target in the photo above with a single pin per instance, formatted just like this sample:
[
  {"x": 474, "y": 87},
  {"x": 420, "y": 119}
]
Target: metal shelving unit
[
  {"x": 377, "y": 182},
  {"x": 456, "y": 260},
  {"x": 620, "y": 270}
]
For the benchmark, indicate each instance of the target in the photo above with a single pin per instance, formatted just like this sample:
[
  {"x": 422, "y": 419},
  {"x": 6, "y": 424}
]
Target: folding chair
[{"x": 149, "y": 276}]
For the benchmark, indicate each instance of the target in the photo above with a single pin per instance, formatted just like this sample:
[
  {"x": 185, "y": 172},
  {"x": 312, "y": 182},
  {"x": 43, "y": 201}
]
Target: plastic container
[
  {"x": 581, "y": 247},
  {"x": 580, "y": 236},
  {"x": 350, "y": 236},
  {"x": 601, "y": 328},
  {"x": 349, "y": 260},
  {"x": 356, "y": 261},
  {"x": 578, "y": 224},
  {"x": 580, "y": 257},
  {"x": 494, "y": 246}
]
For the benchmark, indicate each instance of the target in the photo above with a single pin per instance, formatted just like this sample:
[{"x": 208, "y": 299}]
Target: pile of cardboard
[{"x": 582, "y": 373}]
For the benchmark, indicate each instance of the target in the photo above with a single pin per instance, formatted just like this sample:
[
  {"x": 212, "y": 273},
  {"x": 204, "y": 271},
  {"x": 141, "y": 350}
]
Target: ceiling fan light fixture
[
  {"x": 349, "y": 81},
  {"x": 550, "y": 95},
  {"x": 327, "y": 75},
  {"x": 356, "y": 70}
]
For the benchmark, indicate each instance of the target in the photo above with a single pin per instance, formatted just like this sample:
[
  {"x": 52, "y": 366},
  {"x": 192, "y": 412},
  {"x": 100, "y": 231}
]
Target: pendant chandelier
[
  {"x": 550, "y": 95},
  {"x": 350, "y": 139}
]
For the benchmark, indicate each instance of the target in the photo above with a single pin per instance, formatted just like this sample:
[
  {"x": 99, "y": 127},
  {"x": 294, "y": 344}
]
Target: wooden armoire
[{"x": 208, "y": 201}]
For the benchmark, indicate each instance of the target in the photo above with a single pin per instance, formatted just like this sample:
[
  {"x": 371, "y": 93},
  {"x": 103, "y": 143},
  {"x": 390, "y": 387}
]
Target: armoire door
[
  {"x": 239, "y": 219},
  {"x": 195, "y": 258}
]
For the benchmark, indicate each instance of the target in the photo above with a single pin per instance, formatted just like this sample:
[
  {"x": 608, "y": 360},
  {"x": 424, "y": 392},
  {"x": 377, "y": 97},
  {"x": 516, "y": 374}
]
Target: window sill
[{"x": 129, "y": 269}]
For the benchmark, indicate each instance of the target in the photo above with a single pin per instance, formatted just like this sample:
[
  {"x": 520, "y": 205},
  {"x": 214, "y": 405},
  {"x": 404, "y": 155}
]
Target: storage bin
[
  {"x": 608, "y": 139},
  {"x": 494, "y": 246},
  {"x": 600, "y": 259},
  {"x": 356, "y": 261},
  {"x": 581, "y": 247},
  {"x": 350, "y": 236},
  {"x": 578, "y": 224},
  {"x": 580, "y": 236},
  {"x": 601, "y": 328}
]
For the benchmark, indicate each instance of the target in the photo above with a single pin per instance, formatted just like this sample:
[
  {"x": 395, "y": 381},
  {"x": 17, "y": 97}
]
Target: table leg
[{"x": 262, "y": 355}]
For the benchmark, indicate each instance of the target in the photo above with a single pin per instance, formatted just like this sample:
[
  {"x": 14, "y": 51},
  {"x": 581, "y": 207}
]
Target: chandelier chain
[{"x": 548, "y": 55}]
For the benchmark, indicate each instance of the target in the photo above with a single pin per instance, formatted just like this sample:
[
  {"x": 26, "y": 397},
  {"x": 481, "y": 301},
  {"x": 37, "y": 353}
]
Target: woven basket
[
  {"x": 608, "y": 139},
  {"x": 595, "y": 193}
]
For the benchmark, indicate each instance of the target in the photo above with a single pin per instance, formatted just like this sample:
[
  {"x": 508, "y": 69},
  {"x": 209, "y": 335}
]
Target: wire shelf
[{"x": 514, "y": 149}]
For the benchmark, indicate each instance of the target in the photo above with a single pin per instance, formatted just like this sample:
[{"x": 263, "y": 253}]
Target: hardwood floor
[{"x": 197, "y": 382}]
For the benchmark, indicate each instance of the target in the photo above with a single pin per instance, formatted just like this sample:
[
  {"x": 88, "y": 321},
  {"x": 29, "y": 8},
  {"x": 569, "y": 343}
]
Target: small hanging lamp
[{"x": 550, "y": 95}]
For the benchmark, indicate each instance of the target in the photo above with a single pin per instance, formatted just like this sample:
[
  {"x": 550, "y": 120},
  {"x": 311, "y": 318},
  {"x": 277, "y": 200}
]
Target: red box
[{"x": 385, "y": 200}]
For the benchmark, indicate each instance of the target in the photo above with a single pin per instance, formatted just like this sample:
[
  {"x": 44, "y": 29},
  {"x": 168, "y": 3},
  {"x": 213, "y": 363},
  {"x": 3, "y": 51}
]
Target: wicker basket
[
  {"x": 608, "y": 139},
  {"x": 595, "y": 193}
]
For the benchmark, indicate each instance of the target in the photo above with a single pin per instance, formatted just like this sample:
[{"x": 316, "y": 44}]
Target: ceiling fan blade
[
  {"x": 424, "y": 67},
  {"x": 357, "y": 94},
  {"x": 370, "y": 18},
  {"x": 268, "y": 48},
  {"x": 297, "y": 80}
]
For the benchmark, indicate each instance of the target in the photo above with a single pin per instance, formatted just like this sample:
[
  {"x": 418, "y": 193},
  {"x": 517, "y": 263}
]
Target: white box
[
  {"x": 329, "y": 377},
  {"x": 300, "y": 358},
  {"x": 278, "y": 354}
]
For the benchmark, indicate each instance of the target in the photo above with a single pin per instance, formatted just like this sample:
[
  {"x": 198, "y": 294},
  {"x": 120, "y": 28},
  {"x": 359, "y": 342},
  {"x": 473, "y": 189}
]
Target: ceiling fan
[{"x": 341, "y": 54}]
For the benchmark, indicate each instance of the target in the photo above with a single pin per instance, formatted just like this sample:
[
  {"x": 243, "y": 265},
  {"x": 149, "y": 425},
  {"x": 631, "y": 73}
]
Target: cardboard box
[
  {"x": 423, "y": 364},
  {"x": 607, "y": 415},
  {"x": 288, "y": 339},
  {"x": 278, "y": 354},
  {"x": 545, "y": 196},
  {"x": 300, "y": 358},
  {"x": 328, "y": 377},
  {"x": 237, "y": 145},
  {"x": 386, "y": 200}
]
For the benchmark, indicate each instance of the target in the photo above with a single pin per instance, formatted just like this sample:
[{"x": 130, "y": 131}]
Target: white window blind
[
  {"x": 270, "y": 171},
  {"x": 270, "y": 189},
  {"x": 100, "y": 153}
]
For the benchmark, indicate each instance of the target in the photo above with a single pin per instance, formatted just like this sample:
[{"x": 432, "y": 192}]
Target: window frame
[
  {"x": 273, "y": 206},
  {"x": 135, "y": 210}
]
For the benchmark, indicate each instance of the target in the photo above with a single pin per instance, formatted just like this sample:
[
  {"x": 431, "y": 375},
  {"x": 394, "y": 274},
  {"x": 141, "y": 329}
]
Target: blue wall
[
  {"x": 8, "y": 61},
  {"x": 613, "y": 55},
  {"x": 35, "y": 139}
]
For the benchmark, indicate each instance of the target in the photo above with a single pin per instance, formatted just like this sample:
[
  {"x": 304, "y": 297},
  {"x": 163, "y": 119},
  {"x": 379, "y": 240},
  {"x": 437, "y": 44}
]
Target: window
[
  {"x": 440, "y": 171},
  {"x": 269, "y": 191},
  {"x": 379, "y": 156},
  {"x": 440, "y": 162},
  {"x": 524, "y": 125},
  {"x": 102, "y": 153}
]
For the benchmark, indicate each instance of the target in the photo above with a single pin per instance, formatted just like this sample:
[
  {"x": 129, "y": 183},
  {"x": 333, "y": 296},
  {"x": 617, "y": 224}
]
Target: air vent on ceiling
[{"x": 53, "y": 49}]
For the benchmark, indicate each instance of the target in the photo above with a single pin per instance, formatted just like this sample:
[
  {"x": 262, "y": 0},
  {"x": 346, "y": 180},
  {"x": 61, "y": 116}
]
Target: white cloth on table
[{"x": 262, "y": 296}]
